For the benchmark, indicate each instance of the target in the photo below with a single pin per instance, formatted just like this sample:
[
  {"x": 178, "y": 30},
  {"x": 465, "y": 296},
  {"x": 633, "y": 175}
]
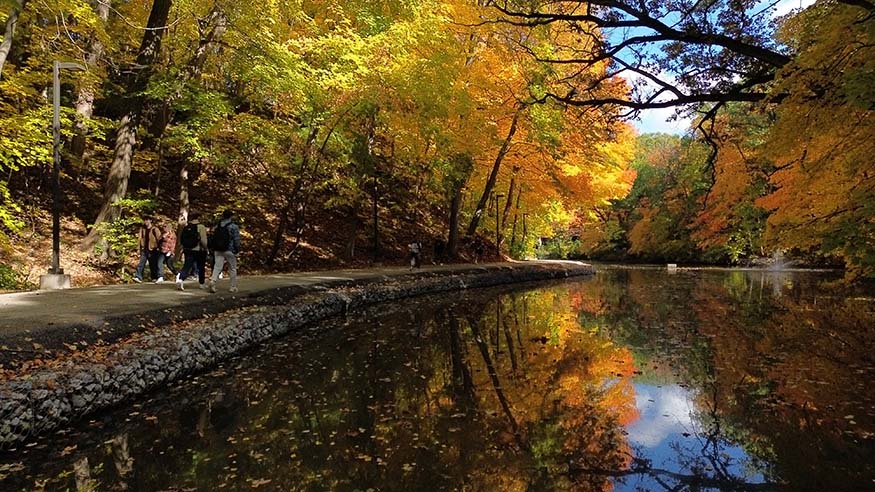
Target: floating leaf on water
[{"x": 259, "y": 482}]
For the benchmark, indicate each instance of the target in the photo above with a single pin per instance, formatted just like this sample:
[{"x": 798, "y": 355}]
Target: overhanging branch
[{"x": 641, "y": 19}]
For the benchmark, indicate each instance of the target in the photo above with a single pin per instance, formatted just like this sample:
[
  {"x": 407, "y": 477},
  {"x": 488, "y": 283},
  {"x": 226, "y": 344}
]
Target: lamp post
[
  {"x": 497, "y": 225},
  {"x": 56, "y": 278}
]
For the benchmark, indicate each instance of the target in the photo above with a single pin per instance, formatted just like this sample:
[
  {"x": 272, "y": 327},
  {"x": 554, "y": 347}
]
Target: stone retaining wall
[{"x": 50, "y": 398}]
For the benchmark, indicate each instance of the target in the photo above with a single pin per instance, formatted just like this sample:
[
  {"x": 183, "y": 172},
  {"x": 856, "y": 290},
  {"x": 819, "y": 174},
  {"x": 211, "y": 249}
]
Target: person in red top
[{"x": 168, "y": 247}]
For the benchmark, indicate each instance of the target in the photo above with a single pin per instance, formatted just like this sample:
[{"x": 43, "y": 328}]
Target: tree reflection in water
[{"x": 556, "y": 388}]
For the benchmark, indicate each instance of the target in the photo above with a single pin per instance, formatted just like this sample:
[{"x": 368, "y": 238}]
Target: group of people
[{"x": 157, "y": 248}]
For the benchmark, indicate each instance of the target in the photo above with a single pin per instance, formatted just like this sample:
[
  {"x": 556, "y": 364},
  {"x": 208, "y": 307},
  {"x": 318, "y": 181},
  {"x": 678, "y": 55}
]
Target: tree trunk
[
  {"x": 85, "y": 99},
  {"x": 218, "y": 23},
  {"x": 306, "y": 191},
  {"x": 192, "y": 71},
  {"x": 463, "y": 165},
  {"x": 117, "y": 180},
  {"x": 182, "y": 218},
  {"x": 509, "y": 203},
  {"x": 375, "y": 255},
  {"x": 121, "y": 457},
  {"x": 9, "y": 33},
  {"x": 353, "y": 234},
  {"x": 474, "y": 324},
  {"x": 463, "y": 383},
  {"x": 82, "y": 472},
  {"x": 84, "y": 110},
  {"x": 126, "y": 139},
  {"x": 453, "y": 240},
  {"x": 280, "y": 232},
  {"x": 294, "y": 197},
  {"x": 516, "y": 214},
  {"x": 376, "y": 214},
  {"x": 493, "y": 176}
]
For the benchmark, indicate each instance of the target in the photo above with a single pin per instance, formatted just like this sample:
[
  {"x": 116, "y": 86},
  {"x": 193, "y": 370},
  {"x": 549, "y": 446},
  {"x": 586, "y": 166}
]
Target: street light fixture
[{"x": 56, "y": 278}]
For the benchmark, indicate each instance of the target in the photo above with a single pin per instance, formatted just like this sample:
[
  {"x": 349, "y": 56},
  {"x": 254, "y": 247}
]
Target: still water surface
[{"x": 635, "y": 380}]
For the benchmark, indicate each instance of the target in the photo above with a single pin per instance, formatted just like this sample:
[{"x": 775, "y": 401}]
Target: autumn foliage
[
  {"x": 340, "y": 131},
  {"x": 337, "y": 131},
  {"x": 788, "y": 177}
]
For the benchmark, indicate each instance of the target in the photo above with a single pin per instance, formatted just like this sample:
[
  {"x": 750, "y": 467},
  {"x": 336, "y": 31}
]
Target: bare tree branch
[{"x": 719, "y": 61}]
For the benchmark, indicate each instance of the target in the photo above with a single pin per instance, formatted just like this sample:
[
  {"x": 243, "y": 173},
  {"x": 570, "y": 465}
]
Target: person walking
[
  {"x": 194, "y": 244},
  {"x": 168, "y": 247},
  {"x": 226, "y": 246},
  {"x": 415, "y": 254},
  {"x": 149, "y": 244}
]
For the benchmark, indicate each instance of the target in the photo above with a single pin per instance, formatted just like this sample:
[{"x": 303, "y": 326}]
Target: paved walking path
[{"x": 33, "y": 322}]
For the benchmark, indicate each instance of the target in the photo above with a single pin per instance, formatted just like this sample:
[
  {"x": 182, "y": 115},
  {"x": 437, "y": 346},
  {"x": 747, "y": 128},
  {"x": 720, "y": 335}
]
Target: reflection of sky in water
[{"x": 666, "y": 413}]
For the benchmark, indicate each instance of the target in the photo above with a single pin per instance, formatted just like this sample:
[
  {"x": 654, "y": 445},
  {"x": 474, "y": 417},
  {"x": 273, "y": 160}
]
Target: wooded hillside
[{"x": 340, "y": 130}]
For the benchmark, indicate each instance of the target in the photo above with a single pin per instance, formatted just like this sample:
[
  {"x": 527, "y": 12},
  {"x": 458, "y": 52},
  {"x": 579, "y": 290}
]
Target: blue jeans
[{"x": 151, "y": 257}]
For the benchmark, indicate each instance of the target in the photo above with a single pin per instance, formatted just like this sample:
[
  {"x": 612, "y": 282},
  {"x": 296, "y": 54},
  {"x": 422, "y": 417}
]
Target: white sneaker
[
  {"x": 179, "y": 285},
  {"x": 201, "y": 286},
  {"x": 160, "y": 281},
  {"x": 233, "y": 289},
  {"x": 137, "y": 280}
]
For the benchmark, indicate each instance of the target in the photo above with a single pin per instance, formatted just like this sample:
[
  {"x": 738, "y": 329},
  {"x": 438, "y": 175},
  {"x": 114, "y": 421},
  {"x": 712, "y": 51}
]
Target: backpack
[
  {"x": 221, "y": 238},
  {"x": 154, "y": 232},
  {"x": 189, "y": 237}
]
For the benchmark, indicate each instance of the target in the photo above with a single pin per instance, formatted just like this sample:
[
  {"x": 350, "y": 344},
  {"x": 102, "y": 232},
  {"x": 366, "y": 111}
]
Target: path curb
[{"x": 50, "y": 398}]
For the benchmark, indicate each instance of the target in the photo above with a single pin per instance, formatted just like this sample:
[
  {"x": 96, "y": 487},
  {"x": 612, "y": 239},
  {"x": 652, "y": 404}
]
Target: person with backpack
[
  {"x": 193, "y": 239},
  {"x": 149, "y": 245},
  {"x": 225, "y": 244}
]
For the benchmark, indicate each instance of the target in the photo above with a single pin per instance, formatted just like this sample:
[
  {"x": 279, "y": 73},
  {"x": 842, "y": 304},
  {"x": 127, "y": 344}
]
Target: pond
[{"x": 634, "y": 380}]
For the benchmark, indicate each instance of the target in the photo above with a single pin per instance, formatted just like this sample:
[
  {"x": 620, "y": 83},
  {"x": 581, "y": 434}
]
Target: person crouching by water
[
  {"x": 168, "y": 247},
  {"x": 150, "y": 249},
  {"x": 415, "y": 254},
  {"x": 225, "y": 245},
  {"x": 193, "y": 239}
]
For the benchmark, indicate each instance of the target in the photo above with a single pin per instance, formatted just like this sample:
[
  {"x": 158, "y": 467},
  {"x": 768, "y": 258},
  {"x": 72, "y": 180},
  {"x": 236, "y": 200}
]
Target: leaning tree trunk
[
  {"x": 117, "y": 180},
  {"x": 508, "y": 203},
  {"x": 453, "y": 240},
  {"x": 292, "y": 199},
  {"x": 126, "y": 139},
  {"x": 9, "y": 33},
  {"x": 493, "y": 176},
  {"x": 85, "y": 99},
  {"x": 305, "y": 184}
]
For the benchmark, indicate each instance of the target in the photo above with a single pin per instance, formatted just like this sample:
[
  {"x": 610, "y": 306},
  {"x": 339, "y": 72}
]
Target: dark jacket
[{"x": 234, "y": 232}]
